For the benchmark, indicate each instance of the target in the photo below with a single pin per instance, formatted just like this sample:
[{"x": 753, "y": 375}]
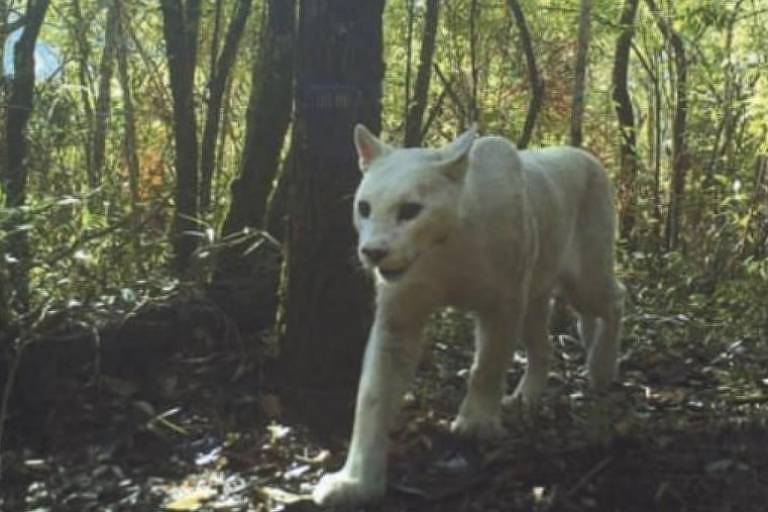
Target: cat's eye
[
  {"x": 364, "y": 209},
  {"x": 408, "y": 211}
]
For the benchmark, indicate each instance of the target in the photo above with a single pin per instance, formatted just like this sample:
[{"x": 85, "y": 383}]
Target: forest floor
[{"x": 685, "y": 430}]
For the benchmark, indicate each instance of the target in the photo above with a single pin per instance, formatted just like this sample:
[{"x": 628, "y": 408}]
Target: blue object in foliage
[{"x": 47, "y": 59}]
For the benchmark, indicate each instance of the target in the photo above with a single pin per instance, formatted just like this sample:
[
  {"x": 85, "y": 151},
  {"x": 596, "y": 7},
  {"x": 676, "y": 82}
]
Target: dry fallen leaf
[
  {"x": 281, "y": 496},
  {"x": 191, "y": 501}
]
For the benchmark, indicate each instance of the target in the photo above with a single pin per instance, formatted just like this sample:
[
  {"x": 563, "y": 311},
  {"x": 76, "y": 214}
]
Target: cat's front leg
[{"x": 390, "y": 360}]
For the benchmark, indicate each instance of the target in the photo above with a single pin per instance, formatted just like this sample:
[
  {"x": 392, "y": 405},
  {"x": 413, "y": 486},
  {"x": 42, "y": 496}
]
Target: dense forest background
[{"x": 184, "y": 153}]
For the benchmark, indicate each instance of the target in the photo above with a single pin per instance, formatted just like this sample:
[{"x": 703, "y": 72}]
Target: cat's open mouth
[{"x": 391, "y": 275}]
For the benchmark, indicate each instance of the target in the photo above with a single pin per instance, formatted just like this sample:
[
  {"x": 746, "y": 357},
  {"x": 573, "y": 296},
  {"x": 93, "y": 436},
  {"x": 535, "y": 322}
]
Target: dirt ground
[{"x": 685, "y": 430}]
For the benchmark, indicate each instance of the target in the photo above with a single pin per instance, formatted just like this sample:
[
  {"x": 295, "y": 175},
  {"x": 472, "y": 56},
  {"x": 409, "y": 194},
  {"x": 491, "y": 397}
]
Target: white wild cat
[{"x": 495, "y": 231}]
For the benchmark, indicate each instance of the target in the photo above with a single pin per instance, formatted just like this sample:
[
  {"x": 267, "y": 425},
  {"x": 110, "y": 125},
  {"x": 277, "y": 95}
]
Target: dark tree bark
[
  {"x": 101, "y": 118},
  {"x": 418, "y": 103},
  {"x": 625, "y": 113},
  {"x": 269, "y": 113},
  {"x": 222, "y": 67},
  {"x": 325, "y": 308},
  {"x": 680, "y": 159},
  {"x": 536, "y": 83},
  {"x": 181, "y": 20},
  {"x": 14, "y": 179},
  {"x": 245, "y": 282},
  {"x": 580, "y": 73}
]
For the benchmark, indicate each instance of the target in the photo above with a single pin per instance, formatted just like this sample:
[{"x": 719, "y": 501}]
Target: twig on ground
[{"x": 584, "y": 480}]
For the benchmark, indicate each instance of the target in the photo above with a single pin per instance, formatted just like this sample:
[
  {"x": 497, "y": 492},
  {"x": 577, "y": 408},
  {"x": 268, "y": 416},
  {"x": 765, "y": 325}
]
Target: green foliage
[{"x": 93, "y": 246}]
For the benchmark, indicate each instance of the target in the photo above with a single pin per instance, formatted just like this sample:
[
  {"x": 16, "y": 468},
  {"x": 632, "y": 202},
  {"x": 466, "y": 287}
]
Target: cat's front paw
[
  {"x": 342, "y": 489},
  {"x": 483, "y": 428}
]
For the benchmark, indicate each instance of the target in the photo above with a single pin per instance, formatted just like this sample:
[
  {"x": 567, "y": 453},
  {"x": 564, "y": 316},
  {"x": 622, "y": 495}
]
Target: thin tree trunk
[
  {"x": 473, "y": 14},
  {"x": 408, "y": 57},
  {"x": 725, "y": 119},
  {"x": 101, "y": 120},
  {"x": 418, "y": 103},
  {"x": 226, "y": 134},
  {"x": 20, "y": 104},
  {"x": 245, "y": 281},
  {"x": 86, "y": 85},
  {"x": 4, "y": 31},
  {"x": 560, "y": 318},
  {"x": 180, "y": 29},
  {"x": 129, "y": 117},
  {"x": 269, "y": 111},
  {"x": 277, "y": 204},
  {"x": 219, "y": 76},
  {"x": 535, "y": 81},
  {"x": 4, "y": 9},
  {"x": 623, "y": 105},
  {"x": 680, "y": 158},
  {"x": 325, "y": 312},
  {"x": 580, "y": 73},
  {"x": 458, "y": 105},
  {"x": 760, "y": 207},
  {"x": 657, "y": 112},
  {"x": 214, "y": 50}
]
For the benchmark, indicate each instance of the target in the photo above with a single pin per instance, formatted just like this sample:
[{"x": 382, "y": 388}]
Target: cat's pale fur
[{"x": 484, "y": 227}]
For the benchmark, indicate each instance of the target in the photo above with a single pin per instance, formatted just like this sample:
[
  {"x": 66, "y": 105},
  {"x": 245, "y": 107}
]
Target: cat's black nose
[{"x": 374, "y": 255}]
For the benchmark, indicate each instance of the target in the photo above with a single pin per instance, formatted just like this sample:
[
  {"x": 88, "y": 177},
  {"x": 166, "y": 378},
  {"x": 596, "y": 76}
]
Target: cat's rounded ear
[
  {"x": 454, "y": 156},
  {"x": 368, "y": 146}
]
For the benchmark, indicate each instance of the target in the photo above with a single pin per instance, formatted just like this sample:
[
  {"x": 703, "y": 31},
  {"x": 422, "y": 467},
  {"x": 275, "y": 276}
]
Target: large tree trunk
[
  {"x": 325, "y": 307},
  {"x": 624, "y": 112},
  {"x": 536, "y": 83},
  {"x": 245, "y": 282},
  {"x": 181, "y": 22},
  {"x": 14, "y": 179},
  {"x": 418, "y": 103},
  {"x": 580, "y": 73},
  {"x": 222, "y": 67}
]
